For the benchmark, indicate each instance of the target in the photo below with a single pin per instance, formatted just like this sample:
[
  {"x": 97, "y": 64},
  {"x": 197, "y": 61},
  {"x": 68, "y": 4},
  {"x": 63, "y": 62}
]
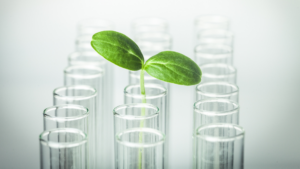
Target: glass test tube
[
  {"x": 135, "y": 115},
  {"x": 148, "y": 24},
  {"x": 66, "y": 116},
  {"x": 205, "y": 22},
  {"x": 156, "y": 95},
  {"x": 92, "y": 58},
  {"x": 213, "y": 72},
  {"x": 63, "y": 148},
  {"x": 93, "y": 25},
  {"x": 220, "y": 90},
  {"x": 93, "y": 76},
  {"x": 205, "y": 54},
  {"x": 134, "y": 78},
  {"x": 219, "y": 146},
  {"x": 153, "y": 41},
  {"x": 215, "y": 37},
  {"x": 140, "y": 148},
  {"x": 79, "y": 95},
  {"x": 86, "y": 29},
  {"x": 215, "y": 111}
]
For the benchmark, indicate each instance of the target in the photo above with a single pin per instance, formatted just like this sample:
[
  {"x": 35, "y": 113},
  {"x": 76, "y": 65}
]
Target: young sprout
[{"x": 168, "y": 66}]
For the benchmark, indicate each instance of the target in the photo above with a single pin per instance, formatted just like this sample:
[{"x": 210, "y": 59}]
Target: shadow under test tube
[
  {"x": 213, "y": 72},
  {"x": 205, "y": 54},
  {"x": 219, "y": 146},
  {"x": 131, "y": 146},
  {"x": 220, "y": 90},
  {"x": 63, "y": 148},
  {"x": 84, "y": 96}
]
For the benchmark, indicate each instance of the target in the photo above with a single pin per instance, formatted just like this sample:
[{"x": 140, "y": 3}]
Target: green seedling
[{"x": 168, "y": 66}]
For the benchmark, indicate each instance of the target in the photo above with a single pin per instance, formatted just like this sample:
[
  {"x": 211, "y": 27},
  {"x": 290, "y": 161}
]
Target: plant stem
[{"x": 143, "y": 93}]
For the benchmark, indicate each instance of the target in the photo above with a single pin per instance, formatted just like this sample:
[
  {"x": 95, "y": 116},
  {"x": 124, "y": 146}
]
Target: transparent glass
[
  {"x": 134, "y": 78},
  {"x": 91, "y": 58},
  {"x": 215, "y": 111},
  {"x": 211, "y": 22},
  {"x": 156, "y": 95},
  {"x": 219, "y": 146},
  {"x": 80, "y": 95},
  {"x": 220, "y": 90},
  {"x": 86, "y": 29},
  {"x": 136, "y": 115},
  {"x": 63, "y": 148},
  {"x": 93, "y": 76},
  {"x": 213, "y": 72},
  {"x": 215, "y": 37},
  {"x": 149, "y": 24},
  {"x": 93, "y": 25},
  {"x": 140, "y": 148},
  {"x": 205, "y": 54},
  {"x": 153, "y": 41},
  {"x": 66, "y": 116}
]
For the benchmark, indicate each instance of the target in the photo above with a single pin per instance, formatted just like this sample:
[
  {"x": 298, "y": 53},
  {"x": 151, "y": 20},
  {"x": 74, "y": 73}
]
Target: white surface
[{"x": 37, "y": 36}]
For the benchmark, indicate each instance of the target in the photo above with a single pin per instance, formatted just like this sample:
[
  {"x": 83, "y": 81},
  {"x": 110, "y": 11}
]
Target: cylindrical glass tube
[
  {"x": 134, "y": 78},
  {"x": 213, "y": 72},
  {"x": 156, "y": 95},
  {"x": 79, "y": 95},
  {"x": 93, "y": 76},
  {"x": 205, "y": 22},
  {"x": 215, "y": 37},
  {"x": 153, "y": 41},
  {"x": 215, "y": 111},
  {"x": 220, "y": 90},
  {"x": 86, "y": 29},
  {"x": 205, "y": 54},
  {"x": 64, "y": 148},
  {"x": 135, "y": 115},
  {"x": 140, "y": 148},
  {"x": 219, "y": 146},
  {"x": 93, "y": 25},
  {"x": 91, "y": 58},
  {"x": 148, "y": 24},
  {"x": 66, "y": 116}
]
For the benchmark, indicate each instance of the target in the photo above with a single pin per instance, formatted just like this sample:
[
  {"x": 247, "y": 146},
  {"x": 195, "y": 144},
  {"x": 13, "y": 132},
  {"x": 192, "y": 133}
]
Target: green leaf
[
  {"x": 173, "y": 67},
  {"x": 118, "y": 49}
]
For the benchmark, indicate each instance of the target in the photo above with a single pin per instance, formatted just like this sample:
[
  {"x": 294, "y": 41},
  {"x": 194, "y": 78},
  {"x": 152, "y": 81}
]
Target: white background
[{"x": 36, "y": 37}]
